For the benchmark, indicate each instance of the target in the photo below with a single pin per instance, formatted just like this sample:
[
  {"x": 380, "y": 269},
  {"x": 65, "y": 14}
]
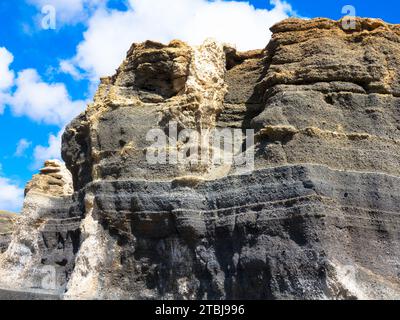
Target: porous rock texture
[
  {"x": 318, "y": 218},
  {"x": 7, "y": 224},
  {"x": 46, "y": 237}
]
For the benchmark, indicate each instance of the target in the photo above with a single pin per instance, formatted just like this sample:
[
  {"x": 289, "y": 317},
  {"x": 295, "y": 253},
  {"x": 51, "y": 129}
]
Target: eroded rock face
[
  {"x": 338, "y": 91},
  {"x": 8, "y": 221},
  {"x": 47, "y": 236},
  {"x": 317, "y": 218}
]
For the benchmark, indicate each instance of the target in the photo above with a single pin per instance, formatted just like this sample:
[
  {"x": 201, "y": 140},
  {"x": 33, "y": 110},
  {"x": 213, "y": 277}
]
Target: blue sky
[{"x": 50, "y": 74}]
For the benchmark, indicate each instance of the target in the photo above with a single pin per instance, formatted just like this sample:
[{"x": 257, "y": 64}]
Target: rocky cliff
[
  {"x": 7, "y": 224},
  {"x": 313, "y": 214},
  {"x": 42, "y": 250}
]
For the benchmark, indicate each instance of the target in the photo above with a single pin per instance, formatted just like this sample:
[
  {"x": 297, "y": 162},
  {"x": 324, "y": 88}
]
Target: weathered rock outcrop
[
  {"x": 47, "y": 236},
  {"x": 7, "y": 225},
  {"x": 318, "y": 216}
]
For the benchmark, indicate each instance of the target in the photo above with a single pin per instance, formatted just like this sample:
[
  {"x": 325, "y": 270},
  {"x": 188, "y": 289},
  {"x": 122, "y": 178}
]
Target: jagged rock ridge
[{"x": 316, "y": 219}]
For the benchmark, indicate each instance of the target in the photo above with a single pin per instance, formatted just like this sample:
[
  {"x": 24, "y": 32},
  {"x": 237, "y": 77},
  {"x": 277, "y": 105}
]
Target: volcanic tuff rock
[
  {"x": 7, "y": 224},
  {"x": 318, "y": 218},
  {"x": 46, "y": 237}
]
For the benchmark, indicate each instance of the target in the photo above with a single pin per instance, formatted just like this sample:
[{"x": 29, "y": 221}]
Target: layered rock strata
[
  {"x": 318, "y": 216},
  {"x": 47, "y": 236}
]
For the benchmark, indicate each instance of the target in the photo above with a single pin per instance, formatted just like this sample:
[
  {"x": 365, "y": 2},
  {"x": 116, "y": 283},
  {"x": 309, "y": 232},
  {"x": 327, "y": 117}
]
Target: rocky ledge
[{"x": 315, "y": 217}]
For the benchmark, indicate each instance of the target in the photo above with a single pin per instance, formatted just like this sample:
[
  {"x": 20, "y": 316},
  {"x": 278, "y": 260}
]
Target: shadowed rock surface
[{"x": 317, "y": 218}]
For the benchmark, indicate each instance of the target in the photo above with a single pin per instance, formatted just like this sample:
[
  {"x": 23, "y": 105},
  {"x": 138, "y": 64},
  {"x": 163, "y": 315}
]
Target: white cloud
[
  {"x": 43, "y": 102},
  {"x": 6, "y": 76},
  {"x": 22, "y": 146},
  {"x": 111, "y": 32},
  {"x": 11, "y": 195},
  {"x": 52, "y": 151},
  {"x": 67, "y": 67},
  {"x": 69, "y": 11},
  {"x": 28, "y": 95}
]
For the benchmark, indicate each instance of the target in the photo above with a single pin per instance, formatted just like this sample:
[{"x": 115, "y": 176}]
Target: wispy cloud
[
  {"x": 70, "y": 11},
  {"x": 22, "y": 146}
]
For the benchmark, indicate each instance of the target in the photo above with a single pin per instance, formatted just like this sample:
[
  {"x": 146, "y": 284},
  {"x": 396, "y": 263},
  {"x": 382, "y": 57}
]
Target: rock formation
[
  {"x": 7, "y": 223},
  {"x": 47, "y": 236},
  {"x": 317, "y": 218}
]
